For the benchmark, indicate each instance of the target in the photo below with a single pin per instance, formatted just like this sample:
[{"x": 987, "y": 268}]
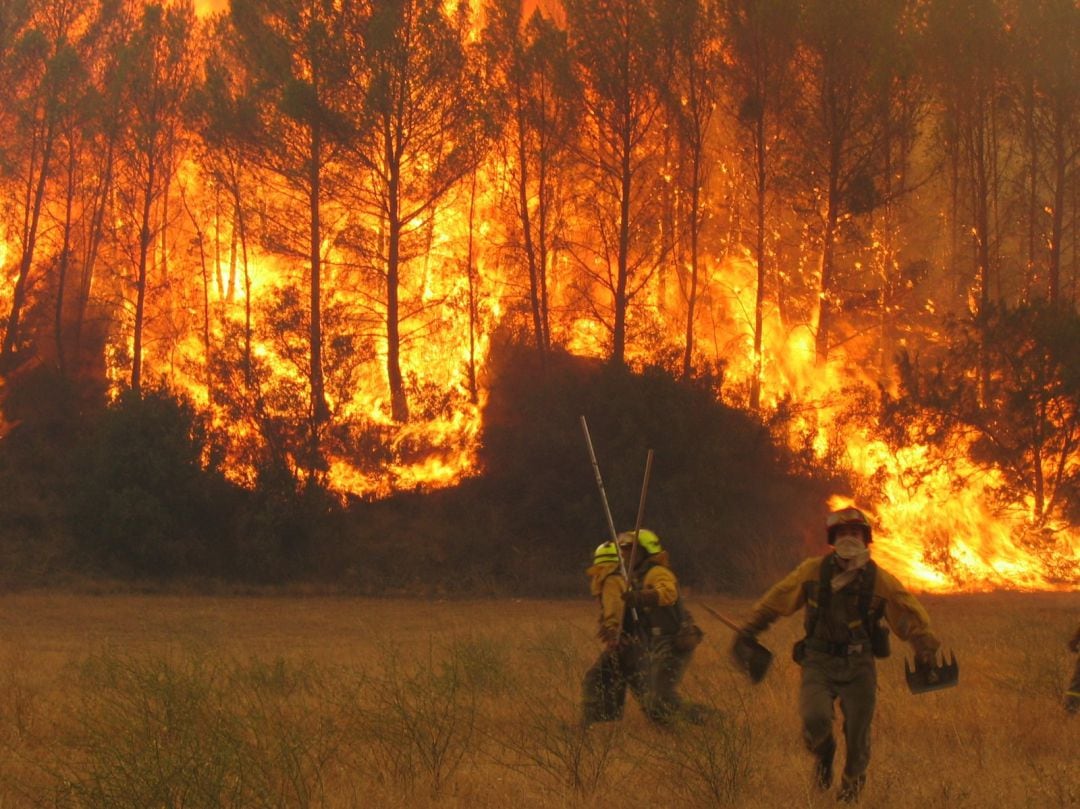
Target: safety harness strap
[{"x": 819, "y": 601}]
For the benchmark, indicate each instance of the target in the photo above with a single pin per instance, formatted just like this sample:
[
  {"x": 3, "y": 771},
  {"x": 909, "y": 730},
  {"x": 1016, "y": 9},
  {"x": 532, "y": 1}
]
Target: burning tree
[
  {"x": 1028, "y": 427},
  {"x": 539, "y": 95},
  {"x": 44, "y": 69},
  {"x": 761, "y": 37},
  {"x": 314, "y": 217},
  {"x": 614, "y": 44},
  {"x": 155, "y": 68},
  {"x": 297, "y": 54},
  {"x": 693, "y": 56},
  {"x": 418, "y": 128}
]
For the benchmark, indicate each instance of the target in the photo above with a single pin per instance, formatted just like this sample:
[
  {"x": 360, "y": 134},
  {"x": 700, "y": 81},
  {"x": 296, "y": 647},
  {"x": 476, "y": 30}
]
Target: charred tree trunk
[
  {"x": 241, "y": 227},
  {"x": 35, "y": 201},
  {"x": 320, "y": 412},
  {"x": 141, "y": 275},
  {"x": 94, "y": 237},
  {"x": 543, "y": 253},
  {"x": 65, "y": 260},
  {"x": 531, "y": 258},
  {"x": 618, "y": 349},
  {"x": 1032, "y": 215},
  {"x": 473, "y": 388},
  {"x": 828, "y": 253},
  {"x": 399, "y": 404},
  {"x": 695, "y": 238},
  {"x": 761, "y": 186},
  {"x": 1062, "y": 161}
]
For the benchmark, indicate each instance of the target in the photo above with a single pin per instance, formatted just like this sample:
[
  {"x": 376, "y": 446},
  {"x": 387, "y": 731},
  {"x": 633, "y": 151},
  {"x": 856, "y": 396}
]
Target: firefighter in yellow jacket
[
  {"x": 1072, "y": 693},
  {"x": 604, "y": 687},
  {"x": 648, "y": 635},
  {"x": 845, "y": 595},
  {"x": 661, "y": 632}
]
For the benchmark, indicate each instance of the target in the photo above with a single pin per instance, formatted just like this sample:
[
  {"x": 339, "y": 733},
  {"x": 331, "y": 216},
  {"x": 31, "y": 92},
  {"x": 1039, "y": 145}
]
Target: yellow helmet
[
  {"x": 648, "y": 540},
  {"x": 847, "y": 516},
  {"x": 606, "y": 554}
]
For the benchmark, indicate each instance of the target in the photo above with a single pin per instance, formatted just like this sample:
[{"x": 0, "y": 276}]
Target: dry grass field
[{"x": 154, "y": 701}]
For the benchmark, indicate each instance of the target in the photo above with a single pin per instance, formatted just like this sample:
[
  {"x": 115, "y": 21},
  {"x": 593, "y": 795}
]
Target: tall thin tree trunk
[
  {"x": 34, "y": 204},
  {"x": 1057, "y": 216},
  {"x": 761, "y": 187},
  {"x": 320, "y": 412},
  {"x": 94, "y": 238},
  {"x": 65, "y": 259},
  {"x": 399, "y": 404},
  {"x": 473, "y": 390},
  {"x": 526, "y": 229},
  {"x": 618, "y": 352},
  {"x": 141, "y": 275}
]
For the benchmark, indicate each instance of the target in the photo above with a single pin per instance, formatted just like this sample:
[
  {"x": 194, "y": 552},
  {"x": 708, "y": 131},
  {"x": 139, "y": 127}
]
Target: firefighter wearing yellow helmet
[
  {"x": 663, "y": 632},
  {"x": 604, "y": 686},
  {"x": 845, "y": 595},
  {"x": 1072, "y": 693}
]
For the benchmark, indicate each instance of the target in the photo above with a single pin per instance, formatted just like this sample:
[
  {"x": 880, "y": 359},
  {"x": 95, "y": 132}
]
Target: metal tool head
[
  {"x": 751, "y": 657},
  {"x": 932, "y": 676}
]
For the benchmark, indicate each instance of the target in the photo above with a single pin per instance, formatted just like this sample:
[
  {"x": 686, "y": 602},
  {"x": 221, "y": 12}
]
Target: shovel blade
[
  {"x": 751, "y": 657},
  {"x": 925, "y": 678}
]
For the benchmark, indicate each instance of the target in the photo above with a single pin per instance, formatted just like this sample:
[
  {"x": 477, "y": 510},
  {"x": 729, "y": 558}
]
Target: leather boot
[
  {"x": 850, "y": 789},
  {"x": 823, "y": 772}
]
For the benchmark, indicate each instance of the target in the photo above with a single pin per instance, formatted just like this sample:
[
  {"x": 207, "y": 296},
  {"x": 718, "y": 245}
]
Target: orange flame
[{"x": 934, "y": 525}]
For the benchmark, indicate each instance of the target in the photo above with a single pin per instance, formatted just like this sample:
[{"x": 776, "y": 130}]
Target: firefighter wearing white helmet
[{"x": 845, "y": 595}]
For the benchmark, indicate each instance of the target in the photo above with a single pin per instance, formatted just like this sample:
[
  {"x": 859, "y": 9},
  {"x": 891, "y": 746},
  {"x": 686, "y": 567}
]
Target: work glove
[
  {"x": 747, "y": 635},
  {"x": 609, "y": 635},
  {"x": 1074, "y": 644},
  {"x": 926, "y": 659},
  {"x": 641, "y": 598}
]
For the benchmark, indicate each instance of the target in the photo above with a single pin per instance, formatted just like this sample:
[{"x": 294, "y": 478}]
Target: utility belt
[
  {"x": 878, "y": 646},
  {"x": 836, "y": 649},
  {"x": 798, "y": 651}
]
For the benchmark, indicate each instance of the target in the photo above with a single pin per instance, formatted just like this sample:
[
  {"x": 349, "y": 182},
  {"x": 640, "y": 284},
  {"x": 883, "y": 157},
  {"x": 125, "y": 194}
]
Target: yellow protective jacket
[
  {"x": 664, "y": 619},
  {"x": 659, "y": 577},
  {"x": 607, "y": 584},
  {"x": 904, "y": 614}
]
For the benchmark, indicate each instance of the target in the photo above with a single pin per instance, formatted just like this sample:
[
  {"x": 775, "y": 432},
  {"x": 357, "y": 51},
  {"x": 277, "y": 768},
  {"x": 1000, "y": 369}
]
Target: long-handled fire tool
[
  {"x": 932, "y": 676},
  {"x": 607, "y": 509},
  {"x": 640, "y": 513},
  {"x": 748, "y": 654}
]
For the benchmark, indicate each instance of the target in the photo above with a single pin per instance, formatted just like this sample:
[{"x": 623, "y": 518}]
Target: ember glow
[{"x": 229, "y": 277}]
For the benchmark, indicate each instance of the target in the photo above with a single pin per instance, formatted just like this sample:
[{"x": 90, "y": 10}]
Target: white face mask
[{"x": 850, "y": 546}]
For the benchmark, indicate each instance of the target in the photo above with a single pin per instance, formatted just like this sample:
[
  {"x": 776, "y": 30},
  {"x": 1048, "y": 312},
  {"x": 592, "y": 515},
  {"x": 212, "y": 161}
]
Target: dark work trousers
[
  {"x": 603, "y": 690},
  {"x": 1072, "y": 693},
  {"x": 853, "y": 680},
  {"x": 653, "y": 672}
]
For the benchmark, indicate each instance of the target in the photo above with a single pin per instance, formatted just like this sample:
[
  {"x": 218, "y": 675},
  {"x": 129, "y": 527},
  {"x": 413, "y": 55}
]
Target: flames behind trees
[{"x": 313, "y": 218}]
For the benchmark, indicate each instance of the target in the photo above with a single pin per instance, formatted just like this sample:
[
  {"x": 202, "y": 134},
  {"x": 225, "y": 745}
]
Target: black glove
[
  {"x": 609, "y": 636},
  {"x": 641, "y": 598},
  {"x": 926, "y": 659},
  {"x": 747, "y": 635}
]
